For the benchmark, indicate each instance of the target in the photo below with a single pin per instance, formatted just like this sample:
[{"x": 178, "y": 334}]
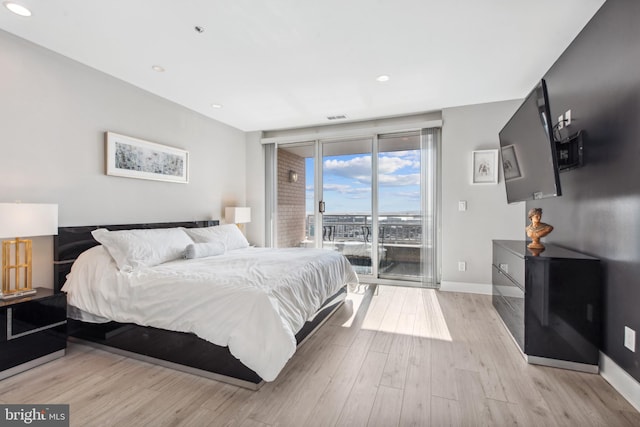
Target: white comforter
[{"x": 252, "y": 300}]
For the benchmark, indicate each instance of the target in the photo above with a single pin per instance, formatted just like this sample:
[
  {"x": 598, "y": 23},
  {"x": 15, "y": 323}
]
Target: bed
[{"x": 231, "y": 312}]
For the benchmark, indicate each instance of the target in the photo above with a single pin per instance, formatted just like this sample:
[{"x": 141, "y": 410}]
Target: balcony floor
[{"x": 403, "y": 269}]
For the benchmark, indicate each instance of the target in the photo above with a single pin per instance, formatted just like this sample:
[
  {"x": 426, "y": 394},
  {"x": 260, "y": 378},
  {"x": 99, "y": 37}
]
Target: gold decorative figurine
[{"x": 537, "y": 229}]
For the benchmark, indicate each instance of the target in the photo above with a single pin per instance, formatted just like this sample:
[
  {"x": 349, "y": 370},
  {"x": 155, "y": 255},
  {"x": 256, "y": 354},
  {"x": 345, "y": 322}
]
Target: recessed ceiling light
[
  {"x": 382, "y": 78},
  {"x": 16, "y": 8},
  {"x": 158, "y": 68},
  {"x": 216, "y": 105}
]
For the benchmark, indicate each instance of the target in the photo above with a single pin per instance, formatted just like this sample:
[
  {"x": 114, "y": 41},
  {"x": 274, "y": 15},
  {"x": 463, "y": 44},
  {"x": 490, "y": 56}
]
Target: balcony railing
[
  {"x": 400, "y": 242},
  {"x": 393, "y": 229}
]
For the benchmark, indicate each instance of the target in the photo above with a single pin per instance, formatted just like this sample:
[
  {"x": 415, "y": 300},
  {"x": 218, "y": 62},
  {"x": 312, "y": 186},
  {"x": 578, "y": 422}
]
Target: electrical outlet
[
  {"x": 462, "y": 266},
  {"x": 504, "y": 267},
  {"x": 630, "y": 338},
  {"x": 567, "y": 118},
  {"x": 560, "y": 121},
  {"x": 462, "y": 205}
]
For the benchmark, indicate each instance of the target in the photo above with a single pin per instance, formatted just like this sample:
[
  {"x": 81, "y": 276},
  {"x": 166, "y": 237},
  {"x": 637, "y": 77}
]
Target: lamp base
[{"x": 16, "y": 266}]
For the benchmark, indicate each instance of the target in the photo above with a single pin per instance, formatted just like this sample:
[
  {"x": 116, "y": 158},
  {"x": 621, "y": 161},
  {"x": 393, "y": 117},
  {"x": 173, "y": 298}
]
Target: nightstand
[{"x": 33, "y": 331}]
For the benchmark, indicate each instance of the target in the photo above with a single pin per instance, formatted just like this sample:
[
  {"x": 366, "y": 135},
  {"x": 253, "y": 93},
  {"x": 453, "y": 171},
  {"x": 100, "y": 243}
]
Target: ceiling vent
[{"x": 337, "y": 117}]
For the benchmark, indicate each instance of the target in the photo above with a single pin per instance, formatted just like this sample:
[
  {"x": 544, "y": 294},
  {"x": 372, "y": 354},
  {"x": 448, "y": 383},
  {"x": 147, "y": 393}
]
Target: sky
[{"x": 347, "y": 183}]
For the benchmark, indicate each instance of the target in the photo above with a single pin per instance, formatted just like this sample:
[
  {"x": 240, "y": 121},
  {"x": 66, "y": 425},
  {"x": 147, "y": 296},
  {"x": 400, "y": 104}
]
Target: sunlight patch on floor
[
  {"x": 399, "y": 310},
  {"x": 433, "y": 324}
]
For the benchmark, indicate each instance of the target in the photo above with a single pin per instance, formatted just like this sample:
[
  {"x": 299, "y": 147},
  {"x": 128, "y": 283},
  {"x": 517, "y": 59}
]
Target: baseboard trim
[
  {"x": 472, "y": 288},
  {"x": 562, "y": 364},
  {"x": 624, "y": 383}
]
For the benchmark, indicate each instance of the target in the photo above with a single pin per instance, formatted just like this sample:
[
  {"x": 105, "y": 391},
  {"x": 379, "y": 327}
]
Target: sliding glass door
[
  {"x": 400, "y": 207},
  {"x": 346, "y": 201},
  {"x": 370, "y": 198}
]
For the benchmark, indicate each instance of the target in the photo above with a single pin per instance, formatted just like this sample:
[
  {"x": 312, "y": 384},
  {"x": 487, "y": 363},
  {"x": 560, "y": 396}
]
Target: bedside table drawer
[
  {"x": 33, "y": 331},
  {"x": 34, "y": 316}
]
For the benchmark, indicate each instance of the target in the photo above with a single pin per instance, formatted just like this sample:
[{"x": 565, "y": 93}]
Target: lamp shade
[
  {"x": 237, "y": 215},
  {"x": 28, "y": 219}
]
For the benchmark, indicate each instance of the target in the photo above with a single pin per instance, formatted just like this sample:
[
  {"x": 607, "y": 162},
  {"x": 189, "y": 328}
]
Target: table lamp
[
  {"x": 19, "y": 220},
  {"x": 237, "y": 215}
]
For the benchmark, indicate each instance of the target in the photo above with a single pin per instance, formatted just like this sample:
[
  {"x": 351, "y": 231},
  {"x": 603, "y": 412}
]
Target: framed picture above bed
[{"x": 135, "y": 158}]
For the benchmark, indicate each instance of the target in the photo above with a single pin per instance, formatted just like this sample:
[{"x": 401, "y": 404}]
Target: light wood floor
[{"x": 403, "y": 357}]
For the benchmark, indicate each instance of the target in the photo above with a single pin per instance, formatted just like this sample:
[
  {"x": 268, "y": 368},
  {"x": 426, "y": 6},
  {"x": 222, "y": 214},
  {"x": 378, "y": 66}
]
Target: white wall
[
  {"x": 53, "y": 113},
  {"x": 466, "y": 236}
]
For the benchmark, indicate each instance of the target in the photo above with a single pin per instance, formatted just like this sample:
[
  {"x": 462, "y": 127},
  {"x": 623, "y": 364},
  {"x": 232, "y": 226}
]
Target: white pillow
[
  {"x": 134, "y": 249},
  {"x": 88, "y": 268},
  {"x": 228, "y": 234},
  {"x": 201, "y": 250}
]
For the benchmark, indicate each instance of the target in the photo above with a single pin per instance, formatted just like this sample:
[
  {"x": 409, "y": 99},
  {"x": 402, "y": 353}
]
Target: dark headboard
[{"x": 72, "y": 241}]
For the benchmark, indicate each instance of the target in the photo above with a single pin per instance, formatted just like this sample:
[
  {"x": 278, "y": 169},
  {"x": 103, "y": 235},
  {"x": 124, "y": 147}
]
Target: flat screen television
[{"x": 528, "y": 150}]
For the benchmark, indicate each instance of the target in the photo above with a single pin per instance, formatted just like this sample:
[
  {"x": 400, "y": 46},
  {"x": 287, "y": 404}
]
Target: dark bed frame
[{"x": 178, "y": 350}]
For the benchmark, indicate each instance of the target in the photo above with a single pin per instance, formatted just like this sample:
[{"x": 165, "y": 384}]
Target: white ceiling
[{"x": 276, "y": 64}]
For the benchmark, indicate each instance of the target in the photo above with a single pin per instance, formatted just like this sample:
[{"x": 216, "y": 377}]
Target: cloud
[
  {"x": 399, "y": 180},
  {"x": 359, "y": 169},
  {"x": 342, "y": 191},
  {"x": 413, "y": 155},
  {"x": 345, "y": 189},
  {"x": 355, "y": 168},
  {"x": 388, "y": 165}
]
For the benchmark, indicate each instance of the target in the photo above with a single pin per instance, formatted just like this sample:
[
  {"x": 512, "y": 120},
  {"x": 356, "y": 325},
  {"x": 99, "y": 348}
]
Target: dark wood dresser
[{"x": 551, "y": 303}]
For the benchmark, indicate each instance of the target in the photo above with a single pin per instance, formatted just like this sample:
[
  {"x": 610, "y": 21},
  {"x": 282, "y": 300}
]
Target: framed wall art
[
  {"x": 135, "y": 158},
  {"x": 485, "y": 167}
]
